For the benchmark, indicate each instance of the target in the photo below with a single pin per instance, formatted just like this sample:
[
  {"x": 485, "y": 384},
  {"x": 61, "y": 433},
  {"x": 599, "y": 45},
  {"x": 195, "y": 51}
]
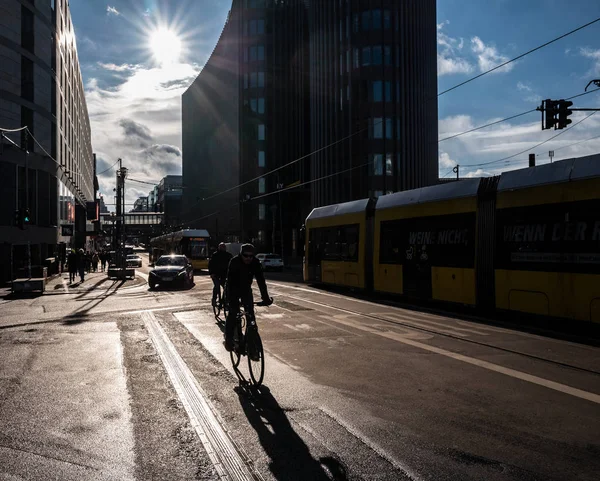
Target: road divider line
[
  {"x": 595, "y": 398},
  {"x": 229, "y": 462}
]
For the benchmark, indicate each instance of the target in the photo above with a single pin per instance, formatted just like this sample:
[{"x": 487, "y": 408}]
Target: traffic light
[
  {"x": 18, "y": 219},
  {"x": 26, "y": 216},
  {"x": 550, "y": 111},
  {"x": 563, "y": 113}
]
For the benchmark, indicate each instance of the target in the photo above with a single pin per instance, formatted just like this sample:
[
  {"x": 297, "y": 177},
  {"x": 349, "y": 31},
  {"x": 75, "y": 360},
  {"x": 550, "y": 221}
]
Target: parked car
[
  {"x": 133, "y": 260},
  {"x": 171, "y": 270},
  {"x": 270, "y": 262}
]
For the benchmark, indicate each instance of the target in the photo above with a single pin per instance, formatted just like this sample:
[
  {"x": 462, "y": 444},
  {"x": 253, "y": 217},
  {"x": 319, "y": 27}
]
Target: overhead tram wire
[
  {"x": 509, "y": 118},
  {"x": 530, "y": 148},
  {"x": 355, "y": 133},
  {"x": 519, "y": 57},
  {"x": 281, "y": 190}
]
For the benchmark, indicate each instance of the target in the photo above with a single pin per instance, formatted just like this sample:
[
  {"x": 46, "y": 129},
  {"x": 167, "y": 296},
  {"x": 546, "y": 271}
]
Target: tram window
[{"x": 339, "y": 243}]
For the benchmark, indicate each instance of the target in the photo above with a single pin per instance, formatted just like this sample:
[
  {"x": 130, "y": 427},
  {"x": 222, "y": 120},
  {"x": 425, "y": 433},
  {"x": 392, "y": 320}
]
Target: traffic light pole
[{"x": 26, "y": 210}]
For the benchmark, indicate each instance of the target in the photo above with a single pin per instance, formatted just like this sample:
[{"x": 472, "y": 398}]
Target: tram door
[
  {"x": 416, "y": 273},
  {"x": 314, "y": 255}
]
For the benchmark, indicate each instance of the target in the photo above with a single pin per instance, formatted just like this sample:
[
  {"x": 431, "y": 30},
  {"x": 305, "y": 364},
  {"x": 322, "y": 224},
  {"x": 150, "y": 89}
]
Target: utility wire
[
  {"x": 2, "y": 129},
  {"x": 106, "y": 170},
  {"x": 530, "y": 148},
  {"x": 520, "y": 56},
  {"x": 576, "y": 143},
  {"x": 281, "y": 190},
  {"x": 142, "y": 181},
  {"x": 509, "y": 118}
]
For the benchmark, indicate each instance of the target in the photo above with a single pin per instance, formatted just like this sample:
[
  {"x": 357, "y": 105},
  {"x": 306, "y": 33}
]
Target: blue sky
[{"x": 135, "y": 101}]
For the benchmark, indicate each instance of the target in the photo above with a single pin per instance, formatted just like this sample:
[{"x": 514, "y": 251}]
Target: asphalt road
[{"x": 108, "y": 380}]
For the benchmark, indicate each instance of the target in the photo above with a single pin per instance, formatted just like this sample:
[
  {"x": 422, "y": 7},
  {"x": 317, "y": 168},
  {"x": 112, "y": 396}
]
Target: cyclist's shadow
[{"x": 290, "y": 457}]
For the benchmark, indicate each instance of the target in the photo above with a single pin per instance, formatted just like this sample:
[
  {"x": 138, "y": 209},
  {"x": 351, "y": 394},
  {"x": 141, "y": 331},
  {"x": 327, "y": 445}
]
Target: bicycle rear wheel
[{"x": 256, "y": 357}]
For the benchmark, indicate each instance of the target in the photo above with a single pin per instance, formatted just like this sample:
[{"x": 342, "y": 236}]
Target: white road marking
[
  {"x": 470, "y": 360},
  {"x": 225, "y": 456},
  {"x": 426, "y": 324}
]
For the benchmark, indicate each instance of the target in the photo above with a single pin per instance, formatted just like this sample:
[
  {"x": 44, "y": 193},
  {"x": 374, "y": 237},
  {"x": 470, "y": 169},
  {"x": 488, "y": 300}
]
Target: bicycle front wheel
[
  {"x": 256, "y": 358},
  {"x": 216, "y": 310},
  {"x": 235, "y": 358}
]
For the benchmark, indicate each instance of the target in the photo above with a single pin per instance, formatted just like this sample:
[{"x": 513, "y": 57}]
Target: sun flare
[{"x": 166, "y": 46}]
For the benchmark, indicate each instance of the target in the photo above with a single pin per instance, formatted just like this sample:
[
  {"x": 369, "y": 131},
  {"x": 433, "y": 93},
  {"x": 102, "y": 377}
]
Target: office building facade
[
  {"x": 347, "y": 86},
  {"x": 49, "y": 168}
]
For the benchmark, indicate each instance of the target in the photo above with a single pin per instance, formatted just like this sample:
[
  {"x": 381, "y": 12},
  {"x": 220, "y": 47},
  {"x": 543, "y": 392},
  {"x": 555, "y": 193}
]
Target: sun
[{"x": 166, "y": 46}]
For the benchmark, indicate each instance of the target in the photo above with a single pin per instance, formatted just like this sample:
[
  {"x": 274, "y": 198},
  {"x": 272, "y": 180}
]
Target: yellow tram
[
  {"x": 193, "y": 243},
  {"x": 525, "y": 241}
]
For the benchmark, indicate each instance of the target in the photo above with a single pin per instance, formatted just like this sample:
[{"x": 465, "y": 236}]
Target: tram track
[{"x": 432, "y": 331}]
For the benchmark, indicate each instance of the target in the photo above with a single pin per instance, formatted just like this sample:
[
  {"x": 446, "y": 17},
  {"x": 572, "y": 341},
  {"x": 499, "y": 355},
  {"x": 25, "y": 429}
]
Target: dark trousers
[
  {"x": 218, "y": 282},
  {"x": 235, "y": 300}
]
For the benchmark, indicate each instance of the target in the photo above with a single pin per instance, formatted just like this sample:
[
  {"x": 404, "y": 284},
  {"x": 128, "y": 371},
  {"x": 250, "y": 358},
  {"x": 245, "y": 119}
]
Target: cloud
[
  {"x": 117, "y": 68},
  {"x": 477, "y": 173},
  {"x": 595, "y": 56},
  {"x": 521, "y": 86},
  {"x": 536, "y": 99},
  {"x": 112, "y": 11},
  {"x": 488, "y": 56},
  {"x": 136, "y": 132},
  {"x": 507, "y": 139},
  {"x": 448, "y": 59},
  {"x": 137, "y": 117}
]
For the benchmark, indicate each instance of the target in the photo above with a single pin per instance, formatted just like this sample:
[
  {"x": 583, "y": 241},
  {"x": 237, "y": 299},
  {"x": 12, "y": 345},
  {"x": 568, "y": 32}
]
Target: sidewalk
[{"x": 93, "y": 280}]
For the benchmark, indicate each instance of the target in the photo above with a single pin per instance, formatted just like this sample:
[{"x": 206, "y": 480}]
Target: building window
[
  {"x": 348, "y": 55},
  {"x": 378, "y": 128},
  {"x": 262, "y": 185},
  {"x": 388, "y": 165},
  {"x": 261, "y": 79},
  {"x": 260, "y": 52},
  {"x": 377, "y": 91},
  {"x": 389, "y": 129},
  {"x": 377, "y": 160},
  {"x": 366, "y": 56},
  {"x": 261, "y": 158},
  {"x": 356, "y": 58},
  {"x": 388, "y": 91},
  {"x": 366, "y": 20},
  {"x": 253, "y": 79},
  {"x": 261, "y": 237},
  {"x": 376, "y": 59},
  {"x": 387, "y": 55},
  {"x": 376, "y": 19},
  {"x": 245, "y": 55},
  {"x": 387, "y": 20},
  {"x": 355, "y": 23},
  {"x": 261, "y": 132},
  {"x": 262, "y": 211},
  {"x": 261, "y": 105},
  {"x": 253, "y": 105}
]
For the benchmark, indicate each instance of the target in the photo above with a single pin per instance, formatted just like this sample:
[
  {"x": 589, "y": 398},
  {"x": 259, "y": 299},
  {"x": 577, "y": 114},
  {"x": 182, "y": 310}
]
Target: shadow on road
[{"x": 290, "y": 457}]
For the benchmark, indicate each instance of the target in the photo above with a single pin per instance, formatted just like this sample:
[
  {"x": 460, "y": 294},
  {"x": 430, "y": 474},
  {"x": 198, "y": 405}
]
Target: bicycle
[
  {"x": 222, "y": 305},
  {"x": 247, "y": 342}
]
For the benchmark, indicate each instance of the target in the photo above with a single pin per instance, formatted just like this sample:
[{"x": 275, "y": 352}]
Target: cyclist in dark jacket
[
  {"x": 217, "y": 268},
  {"x": 243, "y": 268}
]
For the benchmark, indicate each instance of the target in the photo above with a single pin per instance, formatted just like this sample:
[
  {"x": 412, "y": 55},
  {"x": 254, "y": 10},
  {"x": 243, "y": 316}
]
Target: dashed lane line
[
  {"x": 595, "y": 398},
  {"x": 229, "y": 462}
]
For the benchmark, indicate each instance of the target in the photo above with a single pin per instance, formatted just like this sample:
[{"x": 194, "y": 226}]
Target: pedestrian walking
[
  {"x": 72, "y": 266},
  {"x": 95, "y": 262},
  {"x": 103, "y": 260},
  {"x": 81, "y": 264}
]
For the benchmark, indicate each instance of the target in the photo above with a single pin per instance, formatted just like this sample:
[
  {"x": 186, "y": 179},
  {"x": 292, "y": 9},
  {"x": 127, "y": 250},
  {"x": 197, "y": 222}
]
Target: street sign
[{"x": 67, "y": 230}]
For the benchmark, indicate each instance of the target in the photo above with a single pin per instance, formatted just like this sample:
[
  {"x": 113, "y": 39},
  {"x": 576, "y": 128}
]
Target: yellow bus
[{"x": 193, "y": 243}]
